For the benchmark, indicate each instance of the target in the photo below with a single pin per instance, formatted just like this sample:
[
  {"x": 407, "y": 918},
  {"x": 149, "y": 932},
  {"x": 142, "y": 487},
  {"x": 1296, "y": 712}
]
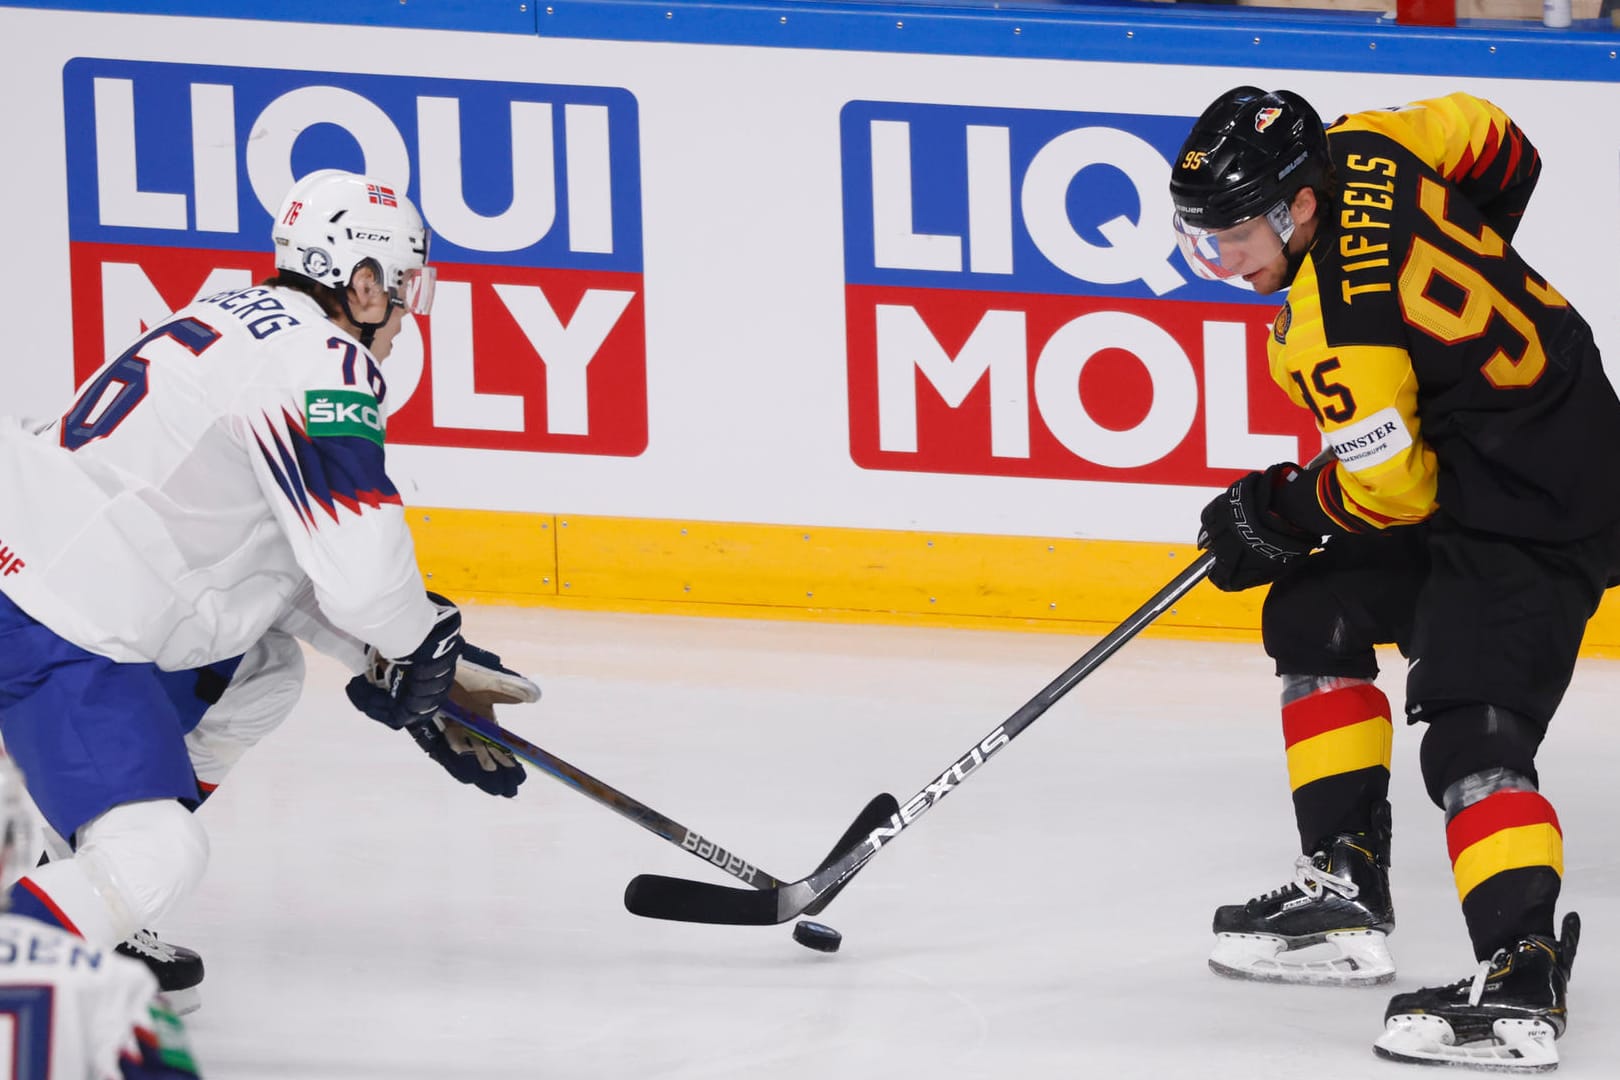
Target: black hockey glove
[
  {"x": 467, "y": 757},
  {"x": 411, "y": 689},
  {"x": 1251, "y": 543}
]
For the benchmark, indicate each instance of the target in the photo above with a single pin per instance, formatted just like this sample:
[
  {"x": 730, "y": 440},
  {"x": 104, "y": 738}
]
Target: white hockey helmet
[
  {"x": 331, "y": 222},
  {"x": 16, "y": 827}
]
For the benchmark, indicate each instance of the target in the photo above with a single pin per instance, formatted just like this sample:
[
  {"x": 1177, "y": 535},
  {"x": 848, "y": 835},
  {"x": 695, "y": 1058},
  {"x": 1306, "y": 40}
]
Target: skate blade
[
  {"x": 1349, "y": 958},
  {"x": 1517, "y": 1045},
  {"x": 183, "y": 1002}
]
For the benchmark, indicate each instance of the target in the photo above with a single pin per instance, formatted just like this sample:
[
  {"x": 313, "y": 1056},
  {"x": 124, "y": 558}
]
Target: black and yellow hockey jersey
[{"x": 1448, "y": 375}]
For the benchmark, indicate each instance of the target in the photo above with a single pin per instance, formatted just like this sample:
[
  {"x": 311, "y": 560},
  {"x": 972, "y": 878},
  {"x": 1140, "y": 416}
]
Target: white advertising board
[{"x": 720, "y": 282}]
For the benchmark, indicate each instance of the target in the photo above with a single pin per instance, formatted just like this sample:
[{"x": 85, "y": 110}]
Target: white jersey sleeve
[
  {"x": 71, "y": 1012},
  {"x": 227, "y": 459}
]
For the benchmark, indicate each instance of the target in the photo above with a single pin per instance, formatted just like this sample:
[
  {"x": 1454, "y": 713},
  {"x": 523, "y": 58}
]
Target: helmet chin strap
[
  {"x": 1295, "y": 259},
  {"x": 368, "y": 331}
]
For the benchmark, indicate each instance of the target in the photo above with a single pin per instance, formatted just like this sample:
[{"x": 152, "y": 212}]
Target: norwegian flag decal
[{"x": 380, "y": 195}]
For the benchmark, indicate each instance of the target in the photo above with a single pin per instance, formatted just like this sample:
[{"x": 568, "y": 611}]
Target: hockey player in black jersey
[{"x": 1470, "y": 515}]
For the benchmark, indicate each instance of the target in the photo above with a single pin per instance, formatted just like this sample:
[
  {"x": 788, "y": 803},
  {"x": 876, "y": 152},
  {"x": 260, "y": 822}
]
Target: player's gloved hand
[
  {"x": 410, "y": 689},
  {"x": 1252, "y": 544},
  {"x": 483, "y": 681},
  {"x": 467, "y": 757}
]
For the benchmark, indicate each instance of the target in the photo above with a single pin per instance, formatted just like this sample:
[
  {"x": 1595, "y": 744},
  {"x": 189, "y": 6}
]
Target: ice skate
[
  {"x": 179, "y": 970},
  {"x": 1327, "y": 927},
  {"x": 1504, "y": 1019}
]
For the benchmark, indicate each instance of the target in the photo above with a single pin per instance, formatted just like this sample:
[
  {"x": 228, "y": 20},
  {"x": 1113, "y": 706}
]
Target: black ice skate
[
  {"x": 179, "y": 970},
  {"x": 1503, "y": 1019},
  {"x": 1325, "y": 928}
]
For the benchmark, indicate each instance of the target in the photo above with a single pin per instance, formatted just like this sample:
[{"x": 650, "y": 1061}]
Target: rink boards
[{"x": 787, "y": 309}]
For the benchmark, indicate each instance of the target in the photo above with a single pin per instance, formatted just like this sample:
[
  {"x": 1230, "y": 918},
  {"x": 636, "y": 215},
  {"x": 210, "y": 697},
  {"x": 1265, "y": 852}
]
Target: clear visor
[
  {"x": 1235, "y": 250},
  {"x": 415, "y": 291}
]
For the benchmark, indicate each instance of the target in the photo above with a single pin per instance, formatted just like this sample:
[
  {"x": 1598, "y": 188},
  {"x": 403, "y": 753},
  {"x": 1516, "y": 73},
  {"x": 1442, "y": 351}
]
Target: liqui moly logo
[
  {"x": 533, "y": 194},
  {"x": 1016, "y": 304}
]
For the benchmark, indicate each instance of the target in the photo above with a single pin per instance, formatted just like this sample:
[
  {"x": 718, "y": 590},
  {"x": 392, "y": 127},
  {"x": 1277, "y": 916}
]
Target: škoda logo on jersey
[
  {"x": 1016, "y": 305},
  {"x": 342, "y": 412},
  {"x": 532, "y": 191}
]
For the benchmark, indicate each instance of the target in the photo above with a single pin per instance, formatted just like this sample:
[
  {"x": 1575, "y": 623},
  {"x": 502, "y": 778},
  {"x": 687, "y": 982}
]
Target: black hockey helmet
[{"x": 1250, "y": 150}]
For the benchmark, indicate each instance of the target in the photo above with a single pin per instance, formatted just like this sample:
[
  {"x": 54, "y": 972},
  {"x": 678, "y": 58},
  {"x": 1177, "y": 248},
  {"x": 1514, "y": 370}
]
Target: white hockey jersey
[
  {"x": 70, "y": 1012},
  {"x": 200, "y": 478}
]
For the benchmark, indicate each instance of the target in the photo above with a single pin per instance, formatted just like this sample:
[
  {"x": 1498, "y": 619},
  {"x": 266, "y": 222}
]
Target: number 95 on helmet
[
  {"x": 1236, "y": 175},
  {"x": 331, "y": 223}
]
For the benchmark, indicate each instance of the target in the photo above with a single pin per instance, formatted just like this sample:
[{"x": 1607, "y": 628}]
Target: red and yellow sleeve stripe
[{"x": 1466, "y": 139}]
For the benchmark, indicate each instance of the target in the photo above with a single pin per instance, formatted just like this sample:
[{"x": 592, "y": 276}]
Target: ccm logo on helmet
[{"x": 531, "y": 193}]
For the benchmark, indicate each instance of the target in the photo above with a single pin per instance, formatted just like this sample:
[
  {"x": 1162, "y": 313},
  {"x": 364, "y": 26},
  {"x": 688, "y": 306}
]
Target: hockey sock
[
  {"x": 1507, "y": 855},
  {"x": 1338, "y": 735}
]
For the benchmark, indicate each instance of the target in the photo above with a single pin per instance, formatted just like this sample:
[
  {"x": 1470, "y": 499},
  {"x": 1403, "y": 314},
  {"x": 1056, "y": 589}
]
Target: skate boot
[
  {"x": 179, "y": 970},
  {"x": 1325, "y": 928},
  {"x": 1503, "y": 1019}
]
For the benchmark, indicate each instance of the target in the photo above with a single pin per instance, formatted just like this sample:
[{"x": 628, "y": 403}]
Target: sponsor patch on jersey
[
  {"x": 342, "y": 412},
  {"x": 1373, "y": 441},
  {"x": 1280, "y": 325}
]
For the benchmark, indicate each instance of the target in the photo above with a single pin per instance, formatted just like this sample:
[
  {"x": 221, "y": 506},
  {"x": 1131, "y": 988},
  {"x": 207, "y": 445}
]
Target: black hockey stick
[
  {"x": 876, "y": 812},
  {"x": 656, "y": 896}
]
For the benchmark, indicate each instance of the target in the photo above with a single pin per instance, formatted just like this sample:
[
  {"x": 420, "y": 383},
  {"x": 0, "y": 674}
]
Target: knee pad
[
  {"x": 1466, "y": 741},
  {"x": 267, "y": 686},
  {"x": 142, "y": 858},
  {"x": 1304, "y": 631}
]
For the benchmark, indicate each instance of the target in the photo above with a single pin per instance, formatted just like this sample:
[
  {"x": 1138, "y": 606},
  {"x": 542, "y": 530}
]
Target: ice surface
[{"x": 364, "y": 916}]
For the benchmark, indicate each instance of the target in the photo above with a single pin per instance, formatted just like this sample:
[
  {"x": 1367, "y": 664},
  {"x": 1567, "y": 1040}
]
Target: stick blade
[
  {"x": 655, "y": 896},
  {"x": 880, "y": 811}
]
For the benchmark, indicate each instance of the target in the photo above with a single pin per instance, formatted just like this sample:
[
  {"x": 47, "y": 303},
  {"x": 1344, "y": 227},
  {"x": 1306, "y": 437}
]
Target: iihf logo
[
  {"x": 317, "y": 262},
  {"x": 1265, "y": 118}
]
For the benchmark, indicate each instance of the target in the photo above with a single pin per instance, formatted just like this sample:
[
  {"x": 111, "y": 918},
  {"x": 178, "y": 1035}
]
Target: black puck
[{"x": 814, "y": 935}]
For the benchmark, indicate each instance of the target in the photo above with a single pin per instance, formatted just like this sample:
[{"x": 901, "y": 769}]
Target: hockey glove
[
  {"x": 467, "y": 757},
  {"x": 410, "y": 690},
  {"x": 1251, "y": 543}
]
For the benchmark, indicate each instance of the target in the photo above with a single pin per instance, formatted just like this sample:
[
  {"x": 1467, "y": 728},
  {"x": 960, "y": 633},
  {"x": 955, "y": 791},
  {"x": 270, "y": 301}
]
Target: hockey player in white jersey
[
  {"x": 77, "y": 1013},
  {"x": 230, "y": 458},
  {"x": 226, "y": 708}
]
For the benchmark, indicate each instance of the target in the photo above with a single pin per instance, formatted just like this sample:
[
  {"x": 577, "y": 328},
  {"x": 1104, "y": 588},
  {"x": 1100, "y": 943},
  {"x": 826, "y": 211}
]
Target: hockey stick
[
  {"x": 876, "y": 812},
  {"x": 656, "y": 896}
]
